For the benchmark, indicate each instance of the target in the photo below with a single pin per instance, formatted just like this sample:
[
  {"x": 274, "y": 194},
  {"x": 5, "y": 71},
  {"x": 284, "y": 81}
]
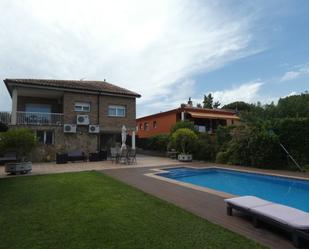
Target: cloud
[
  {"x": 299, "y": 71},
  {"x": 150, "y": 47},
  {"x": 248, "y": 92}
]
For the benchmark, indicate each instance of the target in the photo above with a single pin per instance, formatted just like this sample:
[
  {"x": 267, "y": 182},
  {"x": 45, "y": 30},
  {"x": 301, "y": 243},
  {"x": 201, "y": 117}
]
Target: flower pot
[
  {"x": 185, "y": 157},
  {"x": 22, "y": 168}
]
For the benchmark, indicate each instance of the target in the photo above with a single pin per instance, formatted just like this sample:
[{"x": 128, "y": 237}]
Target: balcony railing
[
  {"x": 39, "y": 118},
  {"x": 32, "y": 118},
  {"x": 5, "y": 117}
]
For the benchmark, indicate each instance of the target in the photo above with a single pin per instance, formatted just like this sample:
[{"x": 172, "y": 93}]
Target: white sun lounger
[{"x": 290, "y": 219}]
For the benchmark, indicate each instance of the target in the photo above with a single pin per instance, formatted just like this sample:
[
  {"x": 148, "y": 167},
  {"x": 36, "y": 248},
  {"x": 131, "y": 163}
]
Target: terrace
[{"x": 34, "y": 107}]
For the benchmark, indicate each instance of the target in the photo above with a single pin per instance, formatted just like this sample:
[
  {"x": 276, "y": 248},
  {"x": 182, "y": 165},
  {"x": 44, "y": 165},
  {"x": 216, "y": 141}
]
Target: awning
[{"x": 213, "y": 115}]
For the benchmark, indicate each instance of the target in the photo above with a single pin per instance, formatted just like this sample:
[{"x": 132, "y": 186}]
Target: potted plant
[
  {"x": 21, "y": 142},
  {"x": 183, "y": 140}
]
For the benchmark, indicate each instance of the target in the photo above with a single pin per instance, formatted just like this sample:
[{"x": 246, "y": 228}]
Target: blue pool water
[{"x": 287, "y": 191}]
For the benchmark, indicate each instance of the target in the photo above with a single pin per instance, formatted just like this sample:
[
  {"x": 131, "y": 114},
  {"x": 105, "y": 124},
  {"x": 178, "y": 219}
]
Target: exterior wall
[
  {"x": 63, "y": 142},
  {"x": 111, "y": 124},
  {"x": 167, "y": 119},
  {"x": 164, "y": 124},
  {"x": 69, "y": 100},
  {"x": 56, "y": 104},
  {"x": 114, "y": 124}
]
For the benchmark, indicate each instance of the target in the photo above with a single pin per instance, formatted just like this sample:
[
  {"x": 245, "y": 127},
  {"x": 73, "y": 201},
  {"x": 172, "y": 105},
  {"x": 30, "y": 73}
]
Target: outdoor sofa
[
  {"x": 76, "y": 155},
  {"x": 292, "y": 220},
  {"x": 8, "y": 157}
]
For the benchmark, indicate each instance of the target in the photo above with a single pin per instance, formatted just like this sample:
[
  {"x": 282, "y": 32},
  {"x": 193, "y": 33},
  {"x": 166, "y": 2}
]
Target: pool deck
[{"x": 205, "y": 204}]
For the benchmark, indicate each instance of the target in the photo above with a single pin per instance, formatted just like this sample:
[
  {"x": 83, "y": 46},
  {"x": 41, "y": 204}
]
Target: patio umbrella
[{"x": 123, "y": 137}]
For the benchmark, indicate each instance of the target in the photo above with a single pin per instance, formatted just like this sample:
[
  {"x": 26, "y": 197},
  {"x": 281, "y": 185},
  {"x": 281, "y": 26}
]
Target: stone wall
[{"x": 64, "y": 142}]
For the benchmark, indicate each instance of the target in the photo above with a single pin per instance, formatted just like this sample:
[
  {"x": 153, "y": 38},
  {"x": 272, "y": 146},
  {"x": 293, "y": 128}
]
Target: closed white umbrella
[{"x": 123, "y": 137}]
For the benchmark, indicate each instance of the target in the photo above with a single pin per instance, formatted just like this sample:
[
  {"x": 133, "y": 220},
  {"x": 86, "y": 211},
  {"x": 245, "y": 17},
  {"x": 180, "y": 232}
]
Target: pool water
[{"x": 286, "y": 191}]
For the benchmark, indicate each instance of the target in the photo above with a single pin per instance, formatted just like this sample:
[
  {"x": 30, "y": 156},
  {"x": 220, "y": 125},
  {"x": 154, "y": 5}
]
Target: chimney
[{"x": 190, "y": 103}]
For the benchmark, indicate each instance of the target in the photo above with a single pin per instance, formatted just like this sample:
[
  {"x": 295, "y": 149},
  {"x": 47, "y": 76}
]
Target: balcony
[{"x": 31, "y": 118}]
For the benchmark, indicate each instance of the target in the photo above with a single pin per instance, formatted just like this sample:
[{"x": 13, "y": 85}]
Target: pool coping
[{"x": 209, "y": 190}]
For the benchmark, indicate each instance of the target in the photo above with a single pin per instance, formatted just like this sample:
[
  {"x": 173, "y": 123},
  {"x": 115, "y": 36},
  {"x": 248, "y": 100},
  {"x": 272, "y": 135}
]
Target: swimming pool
[{"x": 288, "y": 191}]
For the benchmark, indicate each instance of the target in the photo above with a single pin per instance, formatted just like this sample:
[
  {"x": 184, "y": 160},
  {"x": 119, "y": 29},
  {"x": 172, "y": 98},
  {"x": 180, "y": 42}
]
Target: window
[
  {"x": 116, "y": 111},
  {"x": 45, "y": 137},
  {"x": 42, "y": 108},
  {"x": 154, "y": 124},
  {"x": 146, "y": 126},
  {"x": 82, "y": 107},
  {"x": 140, "y": 126}
]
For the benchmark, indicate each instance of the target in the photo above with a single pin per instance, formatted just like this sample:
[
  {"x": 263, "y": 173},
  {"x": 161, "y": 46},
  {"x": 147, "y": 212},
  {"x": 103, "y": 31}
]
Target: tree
[
  {"x": 21, "y": 141},
  {"x": 199, "y": 105},
  {"x": 183, "y": 124},
  {"x": 238, "y": 106},
  {"x": 183, "y": 140},
  {"x": 216, "y": 105},
  {"x": 208, "y": 101}
]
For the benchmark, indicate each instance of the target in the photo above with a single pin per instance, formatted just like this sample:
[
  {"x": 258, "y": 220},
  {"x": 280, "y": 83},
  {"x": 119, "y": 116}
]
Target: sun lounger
[{"x": 287, "y": 218}]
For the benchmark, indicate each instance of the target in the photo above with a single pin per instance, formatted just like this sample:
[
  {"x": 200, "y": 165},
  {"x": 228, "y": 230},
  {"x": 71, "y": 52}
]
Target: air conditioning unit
[
  {"x": 82, "y": 120},
  {"x": 94, "y": 128},
  {"x": 69, "y": 128}
]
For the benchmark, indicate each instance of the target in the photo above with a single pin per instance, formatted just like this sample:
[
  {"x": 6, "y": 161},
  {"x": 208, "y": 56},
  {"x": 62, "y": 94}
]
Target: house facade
[
  {"x": 70, "y": 115},
  {"x": 205, "y": 120}
]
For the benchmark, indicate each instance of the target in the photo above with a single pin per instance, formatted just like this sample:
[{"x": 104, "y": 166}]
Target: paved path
[{"x": 50, "y": 168}]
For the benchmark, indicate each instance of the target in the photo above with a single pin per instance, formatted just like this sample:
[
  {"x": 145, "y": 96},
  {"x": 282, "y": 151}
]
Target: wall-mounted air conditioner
[
  {"x": 69, "y": 128},
  {"x": 94, "y": 128},
  {"x": 82, "y": 120}
]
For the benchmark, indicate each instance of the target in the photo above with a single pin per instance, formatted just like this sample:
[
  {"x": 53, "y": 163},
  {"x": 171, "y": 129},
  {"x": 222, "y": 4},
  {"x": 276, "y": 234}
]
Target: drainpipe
[{"x": 98, "y": 119}]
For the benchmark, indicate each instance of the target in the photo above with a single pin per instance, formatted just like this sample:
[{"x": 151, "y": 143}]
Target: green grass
[{"x": 91, "y": 210}]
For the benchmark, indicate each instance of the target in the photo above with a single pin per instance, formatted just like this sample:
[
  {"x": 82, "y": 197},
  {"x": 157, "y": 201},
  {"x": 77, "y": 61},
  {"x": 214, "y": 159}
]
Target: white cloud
[
  {"x": 151, "y": 47},
  {"x": 299, "y": 71},
  {"x": 248, "y": 92}
]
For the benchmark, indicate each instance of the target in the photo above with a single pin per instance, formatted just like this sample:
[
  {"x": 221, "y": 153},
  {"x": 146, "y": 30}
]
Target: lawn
[{"x": 91, "y": 210}]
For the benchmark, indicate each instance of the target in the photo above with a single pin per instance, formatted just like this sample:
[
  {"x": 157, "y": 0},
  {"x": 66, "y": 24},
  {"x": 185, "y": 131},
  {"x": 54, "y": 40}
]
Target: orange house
[{"x": 205, "y": 120}]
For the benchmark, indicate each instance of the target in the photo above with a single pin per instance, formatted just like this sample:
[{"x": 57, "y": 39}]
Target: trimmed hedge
[{"x": 156, "y": 143}]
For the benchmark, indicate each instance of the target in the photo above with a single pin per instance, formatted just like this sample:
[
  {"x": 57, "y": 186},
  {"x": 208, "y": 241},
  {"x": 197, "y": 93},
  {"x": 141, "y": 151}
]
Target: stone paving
[{"x": 52, "y": 167}]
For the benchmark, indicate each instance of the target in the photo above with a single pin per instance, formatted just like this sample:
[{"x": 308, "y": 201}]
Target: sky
[{"x": 166, "y": 50}]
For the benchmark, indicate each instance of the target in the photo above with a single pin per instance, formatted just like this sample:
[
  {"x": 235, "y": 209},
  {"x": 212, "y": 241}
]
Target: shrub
[
  {"x": 204, "y": 148},
  {"x": 183, "y": 124},
  {"x": 21, "y": 141},
  {"x": 3, "y": 127},
  {"x": 293, "y": 133},
  {"x": 222, "y": 157},
  {"x": 157, "y": 143},
  {"x": 253, "y": 146},
  {"x": 183, "y": 140}
]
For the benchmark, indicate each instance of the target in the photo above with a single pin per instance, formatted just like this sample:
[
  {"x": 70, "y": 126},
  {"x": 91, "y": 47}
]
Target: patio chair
[
  {"x": 292, "y": 220},
  {"x": 132, "y": 157},
  {"x": 114, "y": 155},
  {"x": 123, "y": 156}
]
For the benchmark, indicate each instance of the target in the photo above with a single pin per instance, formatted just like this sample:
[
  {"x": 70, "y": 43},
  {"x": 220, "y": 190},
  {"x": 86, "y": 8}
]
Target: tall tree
[
  {"x": 208, "y": 101},
  {"x": 216, "y": 105}
]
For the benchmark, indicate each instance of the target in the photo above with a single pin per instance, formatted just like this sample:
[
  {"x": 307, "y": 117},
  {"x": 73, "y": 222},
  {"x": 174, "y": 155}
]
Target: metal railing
[
  {"x": 31, "y": 118},
  {"x": 5, "y": 117},
  {"x": 39, "y": 118}
]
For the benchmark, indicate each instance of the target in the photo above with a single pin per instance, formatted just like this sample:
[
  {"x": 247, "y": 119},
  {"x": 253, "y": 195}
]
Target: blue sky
[
  {"x": 284, "y": 36},
  {"x": 167, "y": 50}
]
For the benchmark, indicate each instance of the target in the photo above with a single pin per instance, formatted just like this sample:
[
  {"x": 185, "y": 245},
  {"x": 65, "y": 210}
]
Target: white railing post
[
  {"x": 14, "y": 107},
  {"x": 133, "y": 140}
]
